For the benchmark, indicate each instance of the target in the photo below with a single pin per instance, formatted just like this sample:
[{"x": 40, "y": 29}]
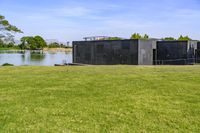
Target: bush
[
  {"x": 54, "y": 45},
  {"x": 7, "y": 64}
]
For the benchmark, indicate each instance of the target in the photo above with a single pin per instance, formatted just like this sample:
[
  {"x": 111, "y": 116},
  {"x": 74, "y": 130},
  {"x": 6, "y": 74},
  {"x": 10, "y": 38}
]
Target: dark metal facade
[
  {"x": 131, "y": 52},
  {"x": 176, "y": 52},
  {"x": 136, "y": 52},
  {"x": 198, "y": 45},
  {"x": 198, "y": 52}
]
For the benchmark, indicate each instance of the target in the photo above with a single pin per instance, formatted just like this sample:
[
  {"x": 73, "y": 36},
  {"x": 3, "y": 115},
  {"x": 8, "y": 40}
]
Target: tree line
[
  {"x": 146, "y": 36},
  {"x": 37, "y": 42},
  {"x": 28, "y": 42},
  {"x": 31, "y": 43}
]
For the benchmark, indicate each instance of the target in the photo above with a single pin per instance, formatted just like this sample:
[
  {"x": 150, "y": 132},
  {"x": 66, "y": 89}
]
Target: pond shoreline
[
  {"x": 45, "y": 49},
  {"x": 58, "y": 49}
]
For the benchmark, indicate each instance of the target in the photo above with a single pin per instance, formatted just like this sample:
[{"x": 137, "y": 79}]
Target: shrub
[{"x": 7, "y": 64}]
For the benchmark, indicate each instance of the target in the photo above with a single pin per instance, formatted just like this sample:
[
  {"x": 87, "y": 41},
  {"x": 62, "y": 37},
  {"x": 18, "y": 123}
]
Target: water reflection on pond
[{"x": 47, "y": 58}]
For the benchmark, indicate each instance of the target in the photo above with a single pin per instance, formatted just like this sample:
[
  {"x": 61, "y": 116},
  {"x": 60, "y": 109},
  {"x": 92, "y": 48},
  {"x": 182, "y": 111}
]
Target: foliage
[
  {"x": 40, "y": 42},
  {"x": 37, "y": 42},
  {"x": 7, "y": 30},
  {"x": 138, "y": 36},
  {"x": 7, "y": 45},
  {"x": 146, "y": 36},
  {"x": 54, "y": 45},
  {"x": 23, "y": 44},
  {"x": 114, "y": 38},
  {"x": 1, "y": 43},
  {"x": 181, "y": 38},
  {"x": 32, "y": 43},
  {"x": 184, "y": 38},
  {"x": 57, "y": 45},
  {"x": 10, "y": 45},
  {"x": 169, "y": 39},
  {"x": 100, "y": 99},
  {"x": 7, "y": 64}
]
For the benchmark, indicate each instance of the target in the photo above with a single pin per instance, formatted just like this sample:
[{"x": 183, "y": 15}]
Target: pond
[{"x": 47, "y": 58}]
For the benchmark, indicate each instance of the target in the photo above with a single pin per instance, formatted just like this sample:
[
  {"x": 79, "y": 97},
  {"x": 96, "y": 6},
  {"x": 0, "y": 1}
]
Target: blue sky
[{"x": 73, "y": 19}]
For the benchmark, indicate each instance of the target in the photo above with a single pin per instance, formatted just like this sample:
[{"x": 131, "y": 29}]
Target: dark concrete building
[
  {"x": 198, "y": 45},
  {"x": 198, "y": 52},
  {"x": 136, "y": 52},
  {"x": 176, "y": 52},
  {"x": 106, "y": 52}
]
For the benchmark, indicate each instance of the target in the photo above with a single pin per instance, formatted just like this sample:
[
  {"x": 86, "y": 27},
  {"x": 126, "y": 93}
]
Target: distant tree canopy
[
  {"x": 7, "y": 30},
  {"x": 54, "y": 45},
  {"x": 57, "y": 45},
  {"x": 146, "y": 36},
  {"x": 7, "y": 45},
  {"x": 181, "y": 38},
  {"x": 184, "y": 38},
  {"x": 32, "y": 43},
  {"x": 1, "y": 42},
  {"x": 169, "y": 38},
  {"x": 138, "y": 36},
  {"x": 114, "y": 38}
]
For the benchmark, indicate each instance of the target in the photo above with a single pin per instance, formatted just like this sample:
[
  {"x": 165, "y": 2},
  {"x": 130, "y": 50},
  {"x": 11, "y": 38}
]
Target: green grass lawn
[{"x": 100, "y": 99}]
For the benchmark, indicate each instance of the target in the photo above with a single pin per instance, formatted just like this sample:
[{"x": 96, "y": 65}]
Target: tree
[
  {"x": 184, "y": 38},
  {"x": 10, "y": 45},
  {"x": 40, "y": 42},
  {"x": 32, "y": 43},
  {"x": 138, "y": 36},
  {"x": 54, "y": 45},
  {"x": 6, "y": 29},
  {"x": 62, "y": 45},
  {"x": 146, "y": 36},
  {"x": 114, "y": 38},
  {"x": 24, "y": 43},
  {"x": 169, "y": 39},
  {"x": 1, "y": 43}
]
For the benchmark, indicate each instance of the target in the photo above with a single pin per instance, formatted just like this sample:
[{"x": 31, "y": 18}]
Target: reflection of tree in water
[
  {"x": 21, "y": 52},
  {"x": 23, "y": 57},
  {"x": 68, "y": 52},
  {"x": 37, "y": 56}
]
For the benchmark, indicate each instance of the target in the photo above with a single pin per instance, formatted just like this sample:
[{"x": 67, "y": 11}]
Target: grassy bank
[
  {"x": 100, "y": 99},
  {"x": 9, "y": 48},
  {"x": 58, "y": 49},
  {"x": 45, "y": 49}
]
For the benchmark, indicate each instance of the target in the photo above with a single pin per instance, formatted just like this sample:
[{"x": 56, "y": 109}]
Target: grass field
[{"x": 100, "y": 99}]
